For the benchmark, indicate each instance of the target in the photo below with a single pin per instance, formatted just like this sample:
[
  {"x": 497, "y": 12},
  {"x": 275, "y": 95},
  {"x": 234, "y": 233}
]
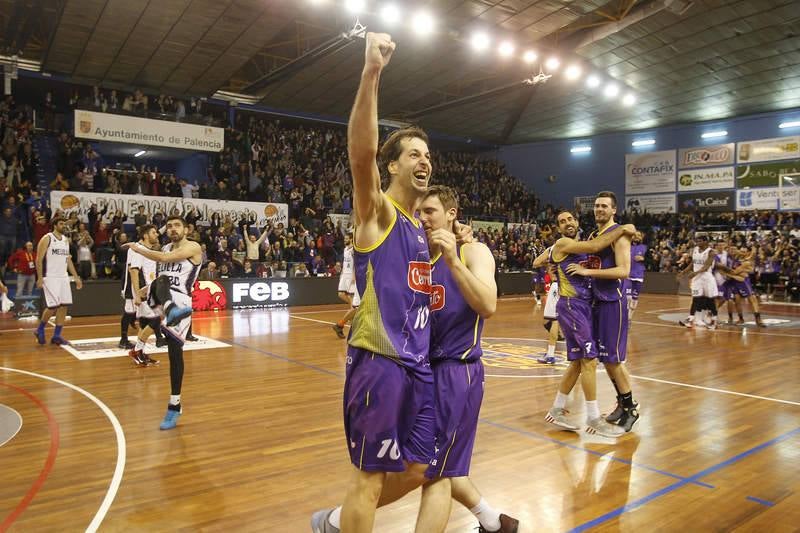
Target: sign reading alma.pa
[{"x": 134, "y": 130}]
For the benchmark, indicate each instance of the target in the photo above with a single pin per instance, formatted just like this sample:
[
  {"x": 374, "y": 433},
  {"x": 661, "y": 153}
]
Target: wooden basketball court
[{"x": 261, "y": 446}]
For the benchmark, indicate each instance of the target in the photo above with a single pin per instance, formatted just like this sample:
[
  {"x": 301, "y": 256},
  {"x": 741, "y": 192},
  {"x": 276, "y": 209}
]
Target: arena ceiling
[{"x": 685, "y": 61}]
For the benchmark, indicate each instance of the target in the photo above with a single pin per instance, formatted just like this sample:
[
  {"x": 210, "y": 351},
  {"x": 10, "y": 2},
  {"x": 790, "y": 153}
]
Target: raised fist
[{"x": 379, "y": 49}]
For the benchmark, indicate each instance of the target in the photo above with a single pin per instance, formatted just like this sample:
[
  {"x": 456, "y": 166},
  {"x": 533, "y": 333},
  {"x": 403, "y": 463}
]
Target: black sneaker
[
  {"x": 191, "y": 338},
  {"x": 616, "y": 414},
  {"x": 339, "y": 330},
  {"x": 507, "y": 525},
  {"x": 125, "y": 345},
  {"x": 629, "y": 418},
  {"x": 160, "y": 343}
]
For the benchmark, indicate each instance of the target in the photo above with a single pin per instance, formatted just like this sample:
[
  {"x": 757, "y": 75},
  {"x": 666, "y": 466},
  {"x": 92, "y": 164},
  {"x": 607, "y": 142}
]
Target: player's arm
[
  {"x": 622, "y": 257},
  {"x": 639, "y": 258},
  {"x": 41, "y": 250},
  {"x": 362, "y": 130},
  {"x": 192, "y": 250},
  {"x": 571, "y": 246},
  {"x": 541, "y": 259},
  {"x": 74, "y": 273}
]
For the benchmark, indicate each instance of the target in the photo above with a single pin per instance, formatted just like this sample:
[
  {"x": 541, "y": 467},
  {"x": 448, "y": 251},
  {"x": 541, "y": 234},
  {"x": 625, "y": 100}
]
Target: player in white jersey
[
  {"x": 171, "y": 294},
  {"x": 53, "y": 260},
  {"x": 703, "y": 284},
  {"x": 142, "y": 273},
  {"x": 348, "y": 292},
  {"x": 128, "y": 318}
]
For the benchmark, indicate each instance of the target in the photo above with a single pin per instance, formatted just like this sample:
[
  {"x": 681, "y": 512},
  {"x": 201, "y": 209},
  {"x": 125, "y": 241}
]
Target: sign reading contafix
[
  {"x": 764, "y": 174},
  {"x": 703, "y": 202},
  {"x": 768, "y": 149},
  {"x": 129, "y": 204},
  {"x": 706, "y": 178},
  {"x": 706, "y": 156},
  {"x": 134, "y": 130},
  {"x": 651, "y": 203},
  {"x": 650, "y": 172}
]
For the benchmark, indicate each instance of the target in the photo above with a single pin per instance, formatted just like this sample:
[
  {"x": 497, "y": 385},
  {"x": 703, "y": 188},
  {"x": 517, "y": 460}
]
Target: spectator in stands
[
  {"x": 23, "y": 263},
  {"x": 300, "y": 271},
  {"x": 209, "y": 273}
]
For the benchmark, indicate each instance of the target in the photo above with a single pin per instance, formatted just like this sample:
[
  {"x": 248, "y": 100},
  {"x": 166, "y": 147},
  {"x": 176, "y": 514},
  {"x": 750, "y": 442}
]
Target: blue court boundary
[
  {"x": 530, "y": 434},
  {"x": 675, "y": 486},
  {"x": 759, "y": 500}
]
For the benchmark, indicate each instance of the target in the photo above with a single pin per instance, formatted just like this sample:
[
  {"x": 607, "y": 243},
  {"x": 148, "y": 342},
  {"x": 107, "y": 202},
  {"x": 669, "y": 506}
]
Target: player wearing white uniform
[
  {"x": 550, "y": 314},
  {"x": 53, "y": 260},
  {"x": 142, "y": 272},
  {"x": 348, "y": 292},
  {"x": 171, "y": 293},
  {"x": 703, "y": 284},
  {"x": 128, "y": 318}
]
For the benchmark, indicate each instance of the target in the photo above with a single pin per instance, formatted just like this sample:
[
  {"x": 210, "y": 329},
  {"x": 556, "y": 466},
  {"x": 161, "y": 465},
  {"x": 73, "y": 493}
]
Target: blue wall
[
  {"x": 604, "y": 167},
  {"x": 193, "y": 168}
]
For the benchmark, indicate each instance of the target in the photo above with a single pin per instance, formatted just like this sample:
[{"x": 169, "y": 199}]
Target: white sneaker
[
  {"x": 599, "y": 426},
  {"x": 559, "y": 418}
]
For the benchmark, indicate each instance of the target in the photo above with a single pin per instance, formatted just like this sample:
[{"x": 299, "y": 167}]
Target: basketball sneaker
[
  {"x": 598, "y": 426},
  {"x": 616, "y": 414},
  {"x": 125, "y": 345},
  {"x": 160, "y": 343},
  {"x": 546, "y": 359},
  {"x": 339, "y": 330},
  {"x": 138, "y": 357},
  {"x": 320, "y": 523},
  {"x": 689, "y": 322},
  {"x": 628, "y": 419},
  {"x": 507, "y": 525},
  {"x": 170, "y": 419},
  {"x": 191, "y": 338},
  {"x": 149, "y": 361},
  {"x": 176, "y": 314},
  {"x": 40, "y": 338},
  {"x": 58, "y": 341},
  {"x": 558, "y": 417}
]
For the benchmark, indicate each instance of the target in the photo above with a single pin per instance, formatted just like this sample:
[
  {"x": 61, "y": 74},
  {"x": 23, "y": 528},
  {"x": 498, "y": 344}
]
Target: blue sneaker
[
  {"x": 58, "y": 341},
  {"x": 546, "y": 360},
  {"x": 176, "y": 314},
  {"x": 39, "y": 336},
  {"x": 171, "y": 419}
]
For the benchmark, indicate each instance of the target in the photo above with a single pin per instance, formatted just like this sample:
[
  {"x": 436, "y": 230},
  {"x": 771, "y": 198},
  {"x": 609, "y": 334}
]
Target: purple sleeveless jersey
[
  {"x": 637, "y": 268},
  {"x": 455, "y": 327},
  {"x": 571, "y": 286},
  {"x": 393, "y": 279},
  {"x": 607, "y": 290}
]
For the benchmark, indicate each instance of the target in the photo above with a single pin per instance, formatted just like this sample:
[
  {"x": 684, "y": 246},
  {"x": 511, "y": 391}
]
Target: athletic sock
[
  {"x": 551, "y": 350},
  {"x": 592, "y": 410},
  {"x": 561, "y": 400},
  {"x": 175, "y": 399},
  {"x": 140, "y": 344},
  {"x": 41, "y": 327},
  {"x": 57, "y": 332},
  {"x": 626, "y": 400},
  {"x": 486, "y": 515}
]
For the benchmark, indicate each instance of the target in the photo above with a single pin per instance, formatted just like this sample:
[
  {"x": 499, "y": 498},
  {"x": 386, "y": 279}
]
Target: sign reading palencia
[
  {"x": 768, "y": 149},
  {"x": 135, "y": 130},
  {"x": 82, "y": 202},
  {"x": 706, "y": 178},
  {"x": 706, "y": 156},
  {"x": 650, "y": 172}
]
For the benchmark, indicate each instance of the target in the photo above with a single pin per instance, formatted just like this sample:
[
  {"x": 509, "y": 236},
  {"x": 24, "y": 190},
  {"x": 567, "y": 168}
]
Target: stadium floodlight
[
  {"x": 390, "y": 14},
  {"x": 583, "y": 149},
  {"x": 422, "y": 23},
  {"x": 140, "y": 153},
  {"x": 506, "y": 48},
  {"x": 573, "y": 72},
  {"x": 355, "y": 6},
  {"x": 611, "y": 90},
  {"x": 629, "y": 99},
  {"x": 529, "y": 56},
  {"x": 552, "y": 64},
  {"x": 593, "y": 82},
  {"x": 480, "y": 41},
  {"x": 714, "y": 134}
]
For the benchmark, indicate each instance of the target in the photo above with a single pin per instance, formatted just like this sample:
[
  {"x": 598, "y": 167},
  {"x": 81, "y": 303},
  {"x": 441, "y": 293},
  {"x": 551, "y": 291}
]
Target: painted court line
[
  {"x": 759, "y": 500},
  {"x": 670, "y": 488},
  {"x": 712, "y": 389},
  {"x": 718, "y": 330},
  {"x": 116, "y": 479}
]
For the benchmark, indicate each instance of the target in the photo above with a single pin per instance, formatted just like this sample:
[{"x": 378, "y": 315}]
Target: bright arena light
[
  {"x": 355, "y": 6},
  {"x": 422, "y": 23},
  {"x": 573, "y": 72},
  {"x": 506, "y": 48},
  {"x": 529, "y": 56},
  {"x": 629, "y": 99},
  {"x": 611, "y": 90},
  {"x": 390, "y": 14},
  {"x": 552, "y": 64},
  {"x": 480, "y": 41},
  {"x": 593, "y": 82},
  {"x": 584, "y": 149}
]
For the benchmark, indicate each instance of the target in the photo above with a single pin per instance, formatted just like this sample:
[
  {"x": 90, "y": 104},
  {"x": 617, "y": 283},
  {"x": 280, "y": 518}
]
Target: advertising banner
[
  {"x": 145, "y": 131},
  {"x": 704, "y": 202},
  {"x": 765, "y": 198},
  {"x": 706, "y": 156},
  {"x": 650, "y": 172},
  {"x": 706, "y": 178},
  {"x": 764, "y": 174},
  {"x": 81, "y": 202},
  {"x": 768, "y": 149},
  {"x": 584, "y": 203},
  {"x": 487, "y": 225},
  {"x": 652, "y": 203}
]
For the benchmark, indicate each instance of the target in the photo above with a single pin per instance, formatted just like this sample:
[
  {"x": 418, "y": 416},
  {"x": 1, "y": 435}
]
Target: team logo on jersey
[
  {"x": 437, "y": 297},
  {"x": 419, "y": 276},
  {"x": 591, "y": 262},
  {"x": 209, "y": 296}
]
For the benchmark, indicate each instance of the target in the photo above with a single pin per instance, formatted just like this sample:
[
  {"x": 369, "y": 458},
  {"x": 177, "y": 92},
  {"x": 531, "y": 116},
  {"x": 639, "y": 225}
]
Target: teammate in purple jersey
[
  {"x": 388, "y": 393},
  {"x": 609, "y": 310},
  {"x": 636, "y": 278},
  {"x": 575, "y": 318},
  {"x": 738, "y": 270}
]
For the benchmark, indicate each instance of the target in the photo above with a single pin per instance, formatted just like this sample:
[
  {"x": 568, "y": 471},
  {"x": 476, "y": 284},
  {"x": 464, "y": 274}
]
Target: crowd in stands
[{"x": 304, "y": 166}]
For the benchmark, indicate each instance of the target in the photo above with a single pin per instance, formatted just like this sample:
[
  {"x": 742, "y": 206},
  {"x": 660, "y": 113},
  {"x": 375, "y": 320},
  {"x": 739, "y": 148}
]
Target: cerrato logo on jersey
[
  {"x": 437, "y": 297},
  {"x": 419, "y": 276}
]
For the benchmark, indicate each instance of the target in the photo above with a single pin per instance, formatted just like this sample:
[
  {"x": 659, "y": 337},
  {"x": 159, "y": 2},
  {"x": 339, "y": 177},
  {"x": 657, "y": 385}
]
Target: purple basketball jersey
[
  {"x": 393, "y": 279},
  {"x": 455, "y": 327},
  {"x": 637, "y": 267},
  {"x": 607, "y": 290},
  {"x": 571, "y": 286}
]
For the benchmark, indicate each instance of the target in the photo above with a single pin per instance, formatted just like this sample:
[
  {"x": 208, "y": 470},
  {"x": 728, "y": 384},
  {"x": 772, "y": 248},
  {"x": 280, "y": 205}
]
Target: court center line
[
  {"x": 670, "y": 488},
  {"x": 119, "y": 469},
  {"x": 602, "y": 455}
]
